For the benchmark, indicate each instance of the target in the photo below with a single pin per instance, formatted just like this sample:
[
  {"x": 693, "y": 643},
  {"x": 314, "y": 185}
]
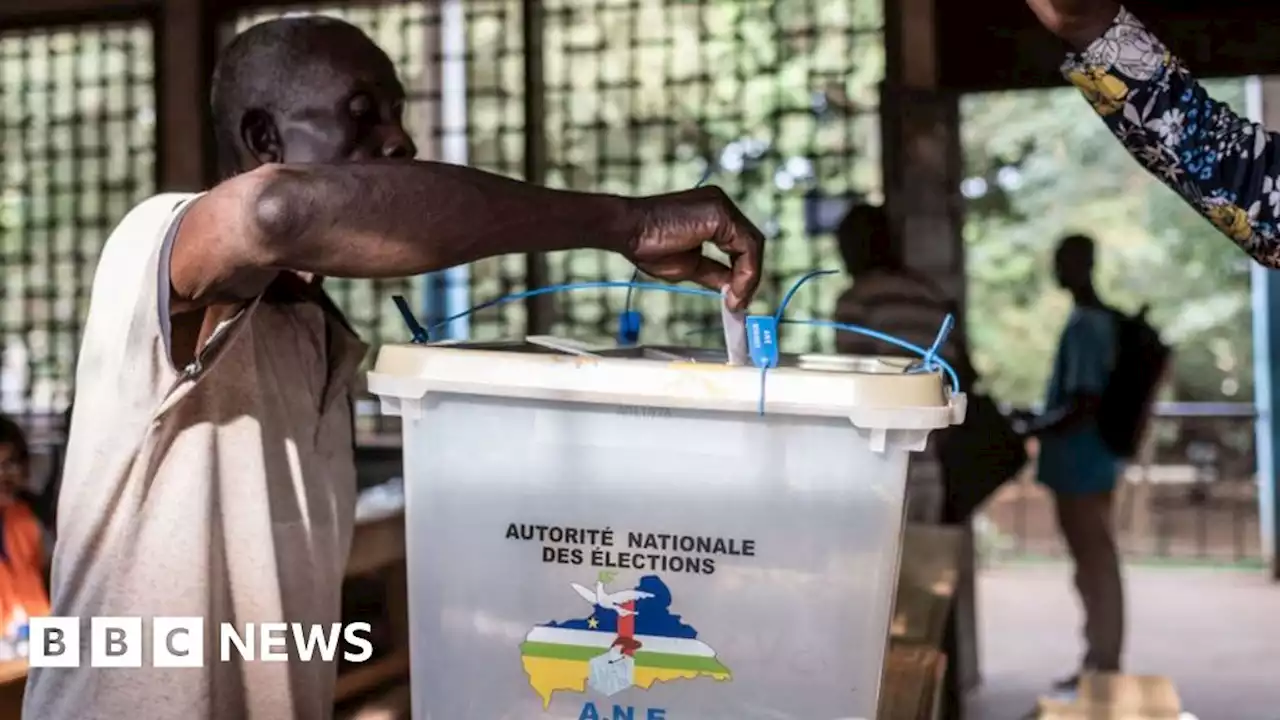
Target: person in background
[
  {"x": 22, "y": 551},
  {"x": 1074, "y": 461},
  {"x": 962, "y": 465},
  {"x": 888, "y": 297},
  {"x": 1225, "y": 167}
]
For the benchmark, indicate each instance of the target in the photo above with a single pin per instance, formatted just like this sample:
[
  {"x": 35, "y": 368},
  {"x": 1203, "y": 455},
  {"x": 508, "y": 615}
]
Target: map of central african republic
[{"x": 630, "y": 639}]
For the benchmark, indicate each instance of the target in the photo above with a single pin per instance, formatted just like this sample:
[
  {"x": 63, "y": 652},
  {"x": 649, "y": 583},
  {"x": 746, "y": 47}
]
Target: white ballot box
[{"x": 625, "y": 536}]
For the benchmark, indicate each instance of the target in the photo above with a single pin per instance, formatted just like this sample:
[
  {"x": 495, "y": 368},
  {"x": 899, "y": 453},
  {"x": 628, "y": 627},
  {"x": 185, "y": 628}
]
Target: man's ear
[{"x": 260, "y": 137}]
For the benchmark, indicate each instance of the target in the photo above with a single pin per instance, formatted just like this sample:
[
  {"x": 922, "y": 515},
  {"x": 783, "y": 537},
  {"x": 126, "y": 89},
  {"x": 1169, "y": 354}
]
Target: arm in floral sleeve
[{"x": 1224, "y": 166}]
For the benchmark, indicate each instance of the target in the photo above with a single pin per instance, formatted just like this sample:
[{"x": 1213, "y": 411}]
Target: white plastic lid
[{"x": 876, "y": 395}]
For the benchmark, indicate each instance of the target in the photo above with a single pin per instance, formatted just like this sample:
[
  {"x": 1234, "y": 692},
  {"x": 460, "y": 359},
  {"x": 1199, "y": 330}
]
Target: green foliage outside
[{"x": 1063, "y": 172}]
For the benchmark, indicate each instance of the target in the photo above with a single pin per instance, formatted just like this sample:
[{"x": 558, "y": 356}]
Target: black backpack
[{"x": 1140, "y": 362}]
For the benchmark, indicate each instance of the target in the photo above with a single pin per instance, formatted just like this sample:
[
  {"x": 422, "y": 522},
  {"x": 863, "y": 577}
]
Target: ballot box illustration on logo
[{"x": 639, "y": 534}]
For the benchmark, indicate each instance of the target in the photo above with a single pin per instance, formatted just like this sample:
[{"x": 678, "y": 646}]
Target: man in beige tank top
[{"x": 210, "y": 470}]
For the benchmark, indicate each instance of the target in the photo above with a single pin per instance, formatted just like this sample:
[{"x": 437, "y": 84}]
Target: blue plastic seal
[
  {"x": 762, "y": 340},
  {"x": 629, "y": 327}
]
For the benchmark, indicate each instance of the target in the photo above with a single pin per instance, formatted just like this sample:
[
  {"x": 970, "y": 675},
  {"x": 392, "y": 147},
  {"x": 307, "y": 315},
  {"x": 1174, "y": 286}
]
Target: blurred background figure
[
  {"x": 1076, "y": 463},
  {"x": 23, "y": 593},
  {"x": 886, "y": 295},
  {"x": 889, "y": 297}
]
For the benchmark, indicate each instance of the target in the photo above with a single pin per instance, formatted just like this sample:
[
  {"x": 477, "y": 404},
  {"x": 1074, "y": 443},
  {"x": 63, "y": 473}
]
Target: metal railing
[{"x": 1192, "y": 495}]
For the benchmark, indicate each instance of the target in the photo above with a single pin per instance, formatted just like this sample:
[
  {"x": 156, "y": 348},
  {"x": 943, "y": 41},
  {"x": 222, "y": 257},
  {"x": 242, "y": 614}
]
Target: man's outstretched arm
[
  {"x": 399, "y": 218},
  {"x": 1225, "y": 167}
]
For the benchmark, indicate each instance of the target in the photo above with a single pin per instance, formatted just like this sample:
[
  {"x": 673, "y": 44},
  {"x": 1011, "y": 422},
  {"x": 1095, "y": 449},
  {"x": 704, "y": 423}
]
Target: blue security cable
[
  {"x": 786, "y": 299},
  {"x": 937, "y": 364},
  {"x": 678, "y": 290},
  {"x": 763, "y": 357}
]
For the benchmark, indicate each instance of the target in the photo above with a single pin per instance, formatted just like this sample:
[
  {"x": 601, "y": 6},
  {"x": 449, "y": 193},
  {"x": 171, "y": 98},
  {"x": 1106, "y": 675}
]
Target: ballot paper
[
  {"x": 611, "y": 673},
  {"x": 735, "y": 331}
]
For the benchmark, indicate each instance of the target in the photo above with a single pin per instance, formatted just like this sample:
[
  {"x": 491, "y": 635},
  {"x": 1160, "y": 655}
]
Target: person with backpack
[{"x": 1104, "y": 376}]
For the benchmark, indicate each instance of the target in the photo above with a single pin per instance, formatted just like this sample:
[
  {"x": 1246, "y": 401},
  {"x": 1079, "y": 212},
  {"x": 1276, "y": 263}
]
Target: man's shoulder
[
  {"x": 139, "y": 237},
  {"x": 152, "y": 214},
  {"x": 129, "y": 277}
]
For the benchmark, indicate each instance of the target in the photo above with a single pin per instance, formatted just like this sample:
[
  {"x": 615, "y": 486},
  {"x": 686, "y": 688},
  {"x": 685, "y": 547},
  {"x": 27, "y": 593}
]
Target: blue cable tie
[
  {"x": 762, "y": 346},
  {"x": 762, "y": 340},
  {"x": 629, "y": 323},
  {"x": 929, "y": 362},
  {"x": 769, "y": 329}
]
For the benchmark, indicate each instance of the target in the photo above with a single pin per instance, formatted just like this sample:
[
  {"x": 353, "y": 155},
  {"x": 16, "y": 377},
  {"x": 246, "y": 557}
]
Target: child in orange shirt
[{"x": 22, "y": 553}]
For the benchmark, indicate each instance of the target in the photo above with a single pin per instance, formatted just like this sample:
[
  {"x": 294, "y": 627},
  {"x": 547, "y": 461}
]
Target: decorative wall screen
[
  {"x": 774, "y": 97},
  {"x": 77, "y": 150}
]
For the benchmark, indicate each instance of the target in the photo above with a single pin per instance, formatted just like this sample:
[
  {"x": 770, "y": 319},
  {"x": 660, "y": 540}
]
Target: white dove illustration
[{"x": 611, "y": 601}]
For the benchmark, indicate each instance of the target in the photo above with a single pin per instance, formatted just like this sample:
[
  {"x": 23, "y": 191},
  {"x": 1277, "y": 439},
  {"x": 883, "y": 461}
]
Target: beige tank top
[{"x": 223, "y": 490}]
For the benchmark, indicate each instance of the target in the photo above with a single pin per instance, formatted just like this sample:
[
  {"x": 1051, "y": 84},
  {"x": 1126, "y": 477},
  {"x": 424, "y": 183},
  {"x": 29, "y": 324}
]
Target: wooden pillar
[
  {"x": 539, "y": 309},
  {"x": 920, "y": 131},
  {"x": 186, "y": 50},
  {"x": 920, "y": 135}
]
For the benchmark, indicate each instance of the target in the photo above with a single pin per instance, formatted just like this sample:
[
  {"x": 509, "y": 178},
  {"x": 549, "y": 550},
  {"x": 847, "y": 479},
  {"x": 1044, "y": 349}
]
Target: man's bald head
[{"x": 305, "y": 89}]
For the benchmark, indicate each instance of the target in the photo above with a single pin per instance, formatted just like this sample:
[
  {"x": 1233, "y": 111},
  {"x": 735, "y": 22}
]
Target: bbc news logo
[{"x": 179, "y": 642}]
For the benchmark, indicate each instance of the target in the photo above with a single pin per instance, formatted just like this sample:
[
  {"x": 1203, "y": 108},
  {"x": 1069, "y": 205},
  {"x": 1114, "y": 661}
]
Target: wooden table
[
  {"x": 13, "y": 680},
  {"x": 377, "y": 549},
  {"x": 912, "y": 684}
]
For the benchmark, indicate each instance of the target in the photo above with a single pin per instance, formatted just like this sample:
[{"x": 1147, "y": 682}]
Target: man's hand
[
  {"x": 1079, "y": 22},
  {"x": 673, "y": 230}
]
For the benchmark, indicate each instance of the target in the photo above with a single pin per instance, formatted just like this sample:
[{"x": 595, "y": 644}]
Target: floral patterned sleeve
[{"x": 1224, "y": 166}]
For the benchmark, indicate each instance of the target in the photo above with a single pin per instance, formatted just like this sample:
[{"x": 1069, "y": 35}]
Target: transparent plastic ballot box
[{"x": 631, "y": 534}]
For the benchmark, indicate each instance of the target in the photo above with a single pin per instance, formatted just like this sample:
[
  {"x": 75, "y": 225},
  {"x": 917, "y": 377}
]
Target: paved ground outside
[{"x": 1216, "y": 633}]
